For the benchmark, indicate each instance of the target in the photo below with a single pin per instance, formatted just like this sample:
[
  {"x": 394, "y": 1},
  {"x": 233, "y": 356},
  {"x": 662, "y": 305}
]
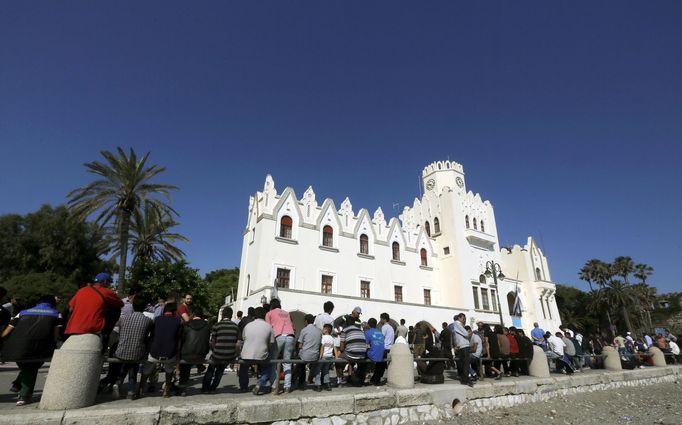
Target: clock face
[
  {"x": 460, "y": 182},
  {"x": 430, "y": 184}
]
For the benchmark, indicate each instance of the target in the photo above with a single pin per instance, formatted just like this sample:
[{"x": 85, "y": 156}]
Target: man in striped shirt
[
  {"x": 224, "y": 350},
  {"x": 354, "y": 348}
]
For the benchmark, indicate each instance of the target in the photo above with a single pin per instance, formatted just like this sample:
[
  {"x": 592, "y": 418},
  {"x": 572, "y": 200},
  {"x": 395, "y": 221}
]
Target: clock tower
[{"x": 441, "y": 174}]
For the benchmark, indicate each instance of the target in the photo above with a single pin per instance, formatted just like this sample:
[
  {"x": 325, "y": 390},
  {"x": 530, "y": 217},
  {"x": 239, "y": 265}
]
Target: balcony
[{"x": 480, "y": 239}]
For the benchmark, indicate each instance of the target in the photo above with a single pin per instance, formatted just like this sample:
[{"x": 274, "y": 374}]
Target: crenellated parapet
[
  {"x": 307, "y": 212},
  {"x": 442, "y": 165}
]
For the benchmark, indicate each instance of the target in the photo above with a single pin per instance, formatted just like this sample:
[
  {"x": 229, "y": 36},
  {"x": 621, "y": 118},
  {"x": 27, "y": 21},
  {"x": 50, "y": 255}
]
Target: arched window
[
  {"x": 327, "y": 236},
  {"x": 481, "y": 279},
  {"x": 511, "y": 303},
  {"x": 538, "y": 274},
  {"x": 422, "y": 254},
  {"x": 364, "y": 244},
  {"x": 466, "y": 221},
  {"x": 285, "y": 227},
  {"x": 475, "y": 225},
  {"x": 436, "y": 225},
  {"x": 396, "y": 251},
  {"x": 482, "y": 226},
  {"x": 427, "y": 227}
]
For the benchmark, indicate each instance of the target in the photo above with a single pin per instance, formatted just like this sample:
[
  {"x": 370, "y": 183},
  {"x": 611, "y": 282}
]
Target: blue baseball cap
[{"x": 102, "y": 277}]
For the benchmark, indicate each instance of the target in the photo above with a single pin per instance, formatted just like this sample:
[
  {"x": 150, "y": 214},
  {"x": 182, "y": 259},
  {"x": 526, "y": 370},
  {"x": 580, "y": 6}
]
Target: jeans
[
  {"x": 465, "y": 364},
  {"x": 184, "y": 374},
  {"x": 214, "y": 373},
  {"x": 321, "y": 371},
  {"x": 244, "y": 376},
  {"x": 28, "y": 373},
  {"x": 284, "y": 344},
  {"x": 265, "y": 372},
  {"x": 379, "y": 369},
  {"x": 131, "y": 370}
]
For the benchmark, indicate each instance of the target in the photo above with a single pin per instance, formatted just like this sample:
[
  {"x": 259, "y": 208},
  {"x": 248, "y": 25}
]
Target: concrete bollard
[
  {"x": 657, "y": 356},
  {"x": 74, "y": 373},
  {"x": 611, "y": 359},
  {"x": 539, "y": 366},
  {"x": 400, "y": 369}
]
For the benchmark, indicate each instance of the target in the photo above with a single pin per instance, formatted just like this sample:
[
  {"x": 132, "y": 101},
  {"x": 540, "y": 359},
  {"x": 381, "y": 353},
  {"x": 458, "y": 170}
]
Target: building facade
[{"x": 428, "y": 264}]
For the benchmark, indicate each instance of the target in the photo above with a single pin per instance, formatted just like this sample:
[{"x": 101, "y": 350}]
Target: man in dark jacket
[
  {"x": 195, "y": 346},
  {"x": 445, "y": 338},
  {"x": 31, "y": 337},
  {"x": 165, "y": 343}
]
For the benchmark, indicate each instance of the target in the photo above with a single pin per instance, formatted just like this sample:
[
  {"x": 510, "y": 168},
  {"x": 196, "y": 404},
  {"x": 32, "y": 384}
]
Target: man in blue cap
[{"x": 94, "y": 309}]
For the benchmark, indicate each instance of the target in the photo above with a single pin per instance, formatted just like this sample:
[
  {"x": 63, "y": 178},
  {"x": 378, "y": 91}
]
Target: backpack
[{"x": 111, "y": 314}]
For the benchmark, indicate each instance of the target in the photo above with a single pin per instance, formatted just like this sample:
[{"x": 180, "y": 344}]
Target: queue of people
[{"x": 144, "y": 338}]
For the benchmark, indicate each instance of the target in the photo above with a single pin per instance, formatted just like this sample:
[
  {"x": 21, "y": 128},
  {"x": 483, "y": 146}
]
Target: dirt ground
[{"x": 654, "y": 404}]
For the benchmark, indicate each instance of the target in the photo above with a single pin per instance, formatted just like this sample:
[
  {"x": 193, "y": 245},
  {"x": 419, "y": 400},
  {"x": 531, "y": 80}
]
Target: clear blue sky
[{"x": 567, "y": 116}]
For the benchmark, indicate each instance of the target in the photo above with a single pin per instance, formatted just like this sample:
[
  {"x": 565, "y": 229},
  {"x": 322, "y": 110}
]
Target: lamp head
[
  {"x": 501, "y": 276},
  {"x": 487, "y": 272}
]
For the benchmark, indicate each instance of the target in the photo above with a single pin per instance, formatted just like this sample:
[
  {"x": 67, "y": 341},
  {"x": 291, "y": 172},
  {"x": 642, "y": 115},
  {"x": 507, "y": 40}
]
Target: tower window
[
  {"x": 475, "y": 226},
  {"x": 477, "y": 305},
  {"x": 436, "y": 225},
  {"x": 364, "y": 244},
  {"x": 482, "y": 226},
  {"x": 538, "y": 274},
  {"x": 422, "y": 254},
  {"x": 285, "y": 225},
  {"x": 427, "y": 297},
  {"x": 481, "y": 278},
  {"x": 396, "y": 251},
  {"x": 466, "y": 221},
  {"x": 427, "y": 227},
  {"x": 328, "y": 236},
  {"x": 446, "y": 250}
]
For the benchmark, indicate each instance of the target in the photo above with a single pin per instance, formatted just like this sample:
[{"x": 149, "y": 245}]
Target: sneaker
[
  {"x": 328, "y": 387},
  {"x": 14, "y": 388},
  {"x": 23, "y": 401},
  {"x": 256, "y": 390},
  {"x": 317, "y": 388},
  {"x": 115, "y": 391}
]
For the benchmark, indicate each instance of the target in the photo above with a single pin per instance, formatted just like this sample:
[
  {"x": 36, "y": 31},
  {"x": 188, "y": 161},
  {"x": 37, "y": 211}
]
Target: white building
[{"x": 427, "y": 265}]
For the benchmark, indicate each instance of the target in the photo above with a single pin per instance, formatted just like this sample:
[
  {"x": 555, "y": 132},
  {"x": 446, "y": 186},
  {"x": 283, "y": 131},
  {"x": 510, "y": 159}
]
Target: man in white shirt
[
  {"x": 462, "y": 344},
  {"x": 556, "y": 351},
  {"x": 476, "y": 350},
  {"x": 326, "y": 317}
]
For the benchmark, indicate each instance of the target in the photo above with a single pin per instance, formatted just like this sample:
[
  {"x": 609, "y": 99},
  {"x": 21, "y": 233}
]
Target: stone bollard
[
  {"x": 74, "y": 373},
  {"x": 657, "y": 356},
  {"x": 611, "y": 359},
  {"x": 539, "y": 366},
  {"x": 400, "y": 369}
]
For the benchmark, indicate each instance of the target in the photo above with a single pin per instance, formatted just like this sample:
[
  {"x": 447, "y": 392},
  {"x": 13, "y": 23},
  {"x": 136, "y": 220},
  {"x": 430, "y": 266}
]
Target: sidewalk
[{"x": 346, "y": 405}]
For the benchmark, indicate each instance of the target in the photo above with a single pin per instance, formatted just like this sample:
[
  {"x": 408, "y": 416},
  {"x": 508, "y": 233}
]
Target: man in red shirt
[
  {"x": 88, "y": 307},
  {"x": 185, "y": 310}
]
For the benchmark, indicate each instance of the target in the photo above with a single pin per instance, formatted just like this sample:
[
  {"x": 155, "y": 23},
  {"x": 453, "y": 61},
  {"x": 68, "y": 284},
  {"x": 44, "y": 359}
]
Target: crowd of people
[{"x": 144, "y": 339}]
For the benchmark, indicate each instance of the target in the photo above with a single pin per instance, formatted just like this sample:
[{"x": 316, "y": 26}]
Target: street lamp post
[{"x": 493, "y": 269}]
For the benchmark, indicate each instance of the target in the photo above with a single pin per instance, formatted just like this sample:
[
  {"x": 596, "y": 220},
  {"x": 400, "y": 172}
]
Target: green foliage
[
  {"x": 172, "y": 279},
  {"x": 574, "y": 308},
  {"x": 49, "y": 240},
  {"x": 28, "y": 288},
  {"x": 123, "y": 187},
  {"x": 221, "y": 283}
]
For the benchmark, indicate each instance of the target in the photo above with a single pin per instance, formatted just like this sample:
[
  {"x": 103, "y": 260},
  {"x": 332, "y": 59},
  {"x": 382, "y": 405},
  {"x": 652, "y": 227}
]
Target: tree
[
  {"x": 171, "y": 279},
  {"x": 50, "y": 240},
  {"x": 122, "y": 188},
  {"x": 643, "y": 271},
  {"x": 28, "y": 288},
  {"x": 574, "y": 308},
  {"x": 151, "y": 238},
  {"x": 221, "y": 283}
]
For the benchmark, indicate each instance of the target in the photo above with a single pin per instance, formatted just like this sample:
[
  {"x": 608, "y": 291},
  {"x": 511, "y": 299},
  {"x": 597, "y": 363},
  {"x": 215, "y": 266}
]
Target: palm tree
[
  {"x": 600, "y": 273},
  {"x": 122, "y": 187},
  {"x": 151, "y": 238},
  {"x": 643, "y": 271},
  {"x": 623, "y": 267},
  {"x": 619, "y": 294}
]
